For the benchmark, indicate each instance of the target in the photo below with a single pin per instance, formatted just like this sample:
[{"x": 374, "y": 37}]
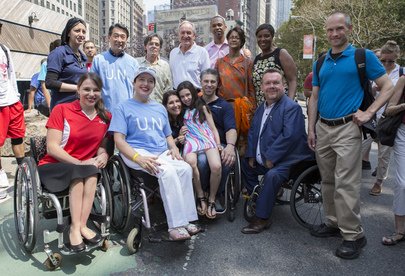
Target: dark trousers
[{"x": 273, "y": 179}]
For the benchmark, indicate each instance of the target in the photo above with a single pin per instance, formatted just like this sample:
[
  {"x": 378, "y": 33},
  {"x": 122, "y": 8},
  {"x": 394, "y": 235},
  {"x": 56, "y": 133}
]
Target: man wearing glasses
[{"x": 116, "y": 68}]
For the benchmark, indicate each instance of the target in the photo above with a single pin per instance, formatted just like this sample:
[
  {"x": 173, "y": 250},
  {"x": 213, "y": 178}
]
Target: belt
[{"x": 337, "y": 122}]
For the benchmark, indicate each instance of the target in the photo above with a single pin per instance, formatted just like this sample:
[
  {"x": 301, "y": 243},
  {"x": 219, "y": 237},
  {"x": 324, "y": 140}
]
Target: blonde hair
[{"x": 391, "y": 47}]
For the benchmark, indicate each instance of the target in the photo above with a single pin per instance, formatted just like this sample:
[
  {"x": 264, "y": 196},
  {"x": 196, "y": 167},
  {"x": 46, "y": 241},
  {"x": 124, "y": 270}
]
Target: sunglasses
[{"x": 387, "y": 61}]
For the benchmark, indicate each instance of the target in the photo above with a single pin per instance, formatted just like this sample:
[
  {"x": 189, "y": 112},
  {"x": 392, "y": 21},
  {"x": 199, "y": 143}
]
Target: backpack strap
[
  {"x": 401, "y": 71},
  {"x": 319, "y": 63},
  {"x": 360, "y": 58},
  {"x": 6, "y": 53}
]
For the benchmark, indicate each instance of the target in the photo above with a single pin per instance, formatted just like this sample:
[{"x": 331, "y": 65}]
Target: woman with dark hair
[
  {"x": 235, "y": 81},
  {"x": 75, "y": 153},
  {"x": 67, "y": 63},
  {"x": 202, "y": 135},
  {"x": 174, "y": 109},
  {"x": 272, "y": 57}
]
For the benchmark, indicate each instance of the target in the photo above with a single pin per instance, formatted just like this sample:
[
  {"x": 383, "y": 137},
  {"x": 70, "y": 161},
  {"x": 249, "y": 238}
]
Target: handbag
[{"x": 387, "y": 128}]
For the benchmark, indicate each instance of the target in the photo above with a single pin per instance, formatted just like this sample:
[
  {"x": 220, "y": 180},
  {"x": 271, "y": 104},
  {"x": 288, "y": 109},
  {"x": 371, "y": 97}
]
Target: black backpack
[{"x": 368, "y": 99}]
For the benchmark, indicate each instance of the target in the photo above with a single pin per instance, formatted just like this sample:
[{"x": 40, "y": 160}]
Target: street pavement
[{"x": 285, "y": 249}]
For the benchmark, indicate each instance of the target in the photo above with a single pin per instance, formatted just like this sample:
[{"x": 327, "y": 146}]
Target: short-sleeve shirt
[
  {"x": 145, "y": 125},
  {"x": 42, "y": 72},
  {"x": 163, "y": 77},
  {"x": 216, "y": 51},
  {"x": 340, "y": 92},
  {"x": 117, "y": 74},
  {"x": 63, "y": 61},
  {"x": 39, "y": 95},
  {"x": 81, "y": 137},
  {"x": 188, "y": 66},
  {"x": 224, "y": 117}
]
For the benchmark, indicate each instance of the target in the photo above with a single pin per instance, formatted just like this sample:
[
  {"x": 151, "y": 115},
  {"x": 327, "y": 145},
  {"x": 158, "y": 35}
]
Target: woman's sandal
[
  {"x": 211, "y": 208},
  {"x": 178, "y": 234},
  {"x": 192, "y": 229},
  {"x": 393, "y": 239},
  {"x": 200, "y": 209}
]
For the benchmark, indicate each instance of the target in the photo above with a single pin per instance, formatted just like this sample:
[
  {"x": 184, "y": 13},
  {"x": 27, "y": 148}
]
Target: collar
[
  {"x": 346, "y": 52},
  {"x": 191, "y": 50},
  {"x": 76, "y": 105},
  {"x": 69, "y": 50},
  {"x": 212, "y": 44},
  {"x": 144, "y": 60},
  {"x": 115, "y": 55}
]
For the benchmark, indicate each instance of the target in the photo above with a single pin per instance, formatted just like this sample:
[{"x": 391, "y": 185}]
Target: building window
[
  {"x": 74, "y": 7},
  {"x": 58, "y": 9},
  {"x": 53, "y": 7},
  {"x": 63, "y": 12},
  {"x": 63, "y": 2},
  {"x": 48, "y": 5},
  {"x": 43, "y": 3}
]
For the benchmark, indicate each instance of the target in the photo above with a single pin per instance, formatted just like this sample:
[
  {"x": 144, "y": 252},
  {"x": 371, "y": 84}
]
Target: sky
[{"x": 150, "y": 4}]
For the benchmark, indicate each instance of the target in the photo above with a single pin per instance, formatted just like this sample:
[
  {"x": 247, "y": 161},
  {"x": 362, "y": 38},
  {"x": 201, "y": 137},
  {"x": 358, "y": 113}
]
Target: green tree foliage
[{"x": 374, "y": 22}]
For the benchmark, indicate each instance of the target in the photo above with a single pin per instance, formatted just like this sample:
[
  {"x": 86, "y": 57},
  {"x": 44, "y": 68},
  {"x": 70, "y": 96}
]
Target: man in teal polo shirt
[{"x": 336, "y": 137}]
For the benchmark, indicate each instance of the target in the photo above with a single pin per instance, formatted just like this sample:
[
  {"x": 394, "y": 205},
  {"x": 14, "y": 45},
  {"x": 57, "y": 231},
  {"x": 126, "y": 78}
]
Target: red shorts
[{"x": 12, "y": 123}]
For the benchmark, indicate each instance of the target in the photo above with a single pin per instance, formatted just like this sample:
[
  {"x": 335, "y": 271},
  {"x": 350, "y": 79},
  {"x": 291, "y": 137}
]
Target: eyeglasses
[{"x": 387, "y": 61}]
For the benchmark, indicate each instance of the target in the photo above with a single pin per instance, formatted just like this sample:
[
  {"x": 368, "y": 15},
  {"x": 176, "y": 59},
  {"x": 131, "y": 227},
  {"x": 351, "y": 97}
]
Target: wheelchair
[
  {"x": 232, "y": 189},
  {"x": 131, "y": 191},
  {"x": 33, "y": 202},
  {"x": 304, "y": 190}
]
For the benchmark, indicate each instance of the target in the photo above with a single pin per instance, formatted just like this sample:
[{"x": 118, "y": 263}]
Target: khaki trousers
[
  {"x": 384, "y": 155},
  {"x": 338, "y": 154}
]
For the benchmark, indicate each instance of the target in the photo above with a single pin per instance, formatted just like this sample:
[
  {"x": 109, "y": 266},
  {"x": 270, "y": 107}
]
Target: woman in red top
[{"x": 75, "y": 153}]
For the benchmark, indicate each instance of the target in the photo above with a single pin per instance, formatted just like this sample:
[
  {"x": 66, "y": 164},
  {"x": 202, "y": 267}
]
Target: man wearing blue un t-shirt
[
  {"x": 116, "y": 68},
  {"x": 337, "y": 95}
]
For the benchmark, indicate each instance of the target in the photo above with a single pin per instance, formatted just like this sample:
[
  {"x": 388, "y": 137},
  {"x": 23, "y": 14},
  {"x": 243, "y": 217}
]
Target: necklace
[{"x": 79, "y": 60}]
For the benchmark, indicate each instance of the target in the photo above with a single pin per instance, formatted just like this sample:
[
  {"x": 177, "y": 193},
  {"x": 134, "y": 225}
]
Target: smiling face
[
  {"x": 209, "y": 85},
  {"x": 264, "y": 40},
  {"x": 186, "y": 97},
  {"x": 186, "y": 36},
  {"x": 337, "y": 32},
  {"x": 118, "y": 40},
  {"x": 173, "y": 106},
  {"x": 143, "y": 86},
  {"x": 218, "y": 29},
  {"x": 89, "y": 93},
  {"x": 77, "y": 35},
  {"x": 272, "y": 87},
  {"x": 234, "y": 40}
]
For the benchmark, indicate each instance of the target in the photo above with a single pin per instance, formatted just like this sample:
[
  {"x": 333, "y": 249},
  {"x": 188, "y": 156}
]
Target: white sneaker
[{"x": 3, "y": 179}]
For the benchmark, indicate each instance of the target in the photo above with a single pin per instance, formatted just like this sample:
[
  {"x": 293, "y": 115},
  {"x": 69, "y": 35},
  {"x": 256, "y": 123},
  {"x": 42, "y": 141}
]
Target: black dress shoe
[
  {"x": 256, "y": 226},
  {"x": 351, "y": 249},
  {"x": 94, "y": 240},
  {"x": 324, "y": 231},
  {"x": 76, "y": 248}
]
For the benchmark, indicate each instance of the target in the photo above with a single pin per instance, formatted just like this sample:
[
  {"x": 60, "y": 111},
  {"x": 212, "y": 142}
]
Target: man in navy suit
[{"x": 276, "y": 141}]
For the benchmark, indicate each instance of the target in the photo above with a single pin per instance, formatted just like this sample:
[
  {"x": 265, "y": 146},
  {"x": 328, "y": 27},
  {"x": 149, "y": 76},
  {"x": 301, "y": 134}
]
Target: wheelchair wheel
[
  {"x": 237, "y": 181},
  {"x": 249, "y": 208},
  {"x": 120, "y": 193},
  {"x": 306, "y": 198},
  {"x": 134, "y": 240},
  {"x": 98, "y": 199},
  {"x": 51, "y": 266},
  {"x": 26, "y": 213}
]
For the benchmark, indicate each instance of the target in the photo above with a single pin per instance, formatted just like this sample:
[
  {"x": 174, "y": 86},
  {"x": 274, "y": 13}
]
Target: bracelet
[
  {"x": 230, "y": 144},
  {"x": 135, "y": 156}
]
